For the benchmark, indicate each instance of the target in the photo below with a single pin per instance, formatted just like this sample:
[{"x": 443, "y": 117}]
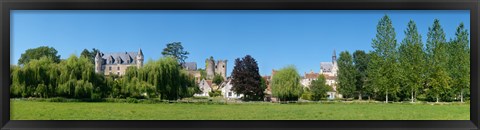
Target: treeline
[
  {"x": 438, "y": 71},
  {"x": 75, "y": 77}
]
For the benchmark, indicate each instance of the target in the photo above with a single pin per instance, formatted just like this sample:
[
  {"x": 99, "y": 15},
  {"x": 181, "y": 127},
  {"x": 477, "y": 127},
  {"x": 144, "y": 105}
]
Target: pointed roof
[
  {"x": 334, "y": 54},
  {"x": 140, "y": 51},
  {"x": 98, "y": 55}
]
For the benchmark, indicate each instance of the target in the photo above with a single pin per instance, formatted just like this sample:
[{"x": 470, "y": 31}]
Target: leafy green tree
[
  {"x": 374, "y": 78},
  {"x": 360, "y": 59},
  {"x": 346, "y": 75},
  {"x": 175, "y": 49},
  {"x": 286, "y": 84},
  {"x": 319, "y": 88},
  {"x": 90, "y": 54},
  {"x": 246, "y": 79},
  {"x": 438, "y": 79},
  {"x": 217, "y": 79},
  {"x": 459, "y": 61},
  {"x": 412, "y": 60},
  {"x": 37, "y": 53},
  {"x": 203, "y": 73},
  {"x": 385, "y": 46}
]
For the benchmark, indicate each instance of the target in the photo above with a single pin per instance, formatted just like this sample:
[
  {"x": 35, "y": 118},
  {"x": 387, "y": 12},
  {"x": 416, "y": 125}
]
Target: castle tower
[
  {"x": 98, "y": 63},
  {"x": 140, "y": 58},
  {"x": 221, "y": 68},
  {"x": 210, "y": 68}
]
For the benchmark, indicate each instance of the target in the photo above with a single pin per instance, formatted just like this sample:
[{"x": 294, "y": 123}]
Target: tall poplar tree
[
  {"x": 385, "y": 46},
  {"x": 346, "y": 75},
  {"x": 374, "y": 78},
  {"x": 437, "y": 57},
  {"x": 360, "y": 59},
  {"x": 459, "y": 61},
  {"x": 412, "y": 60}
]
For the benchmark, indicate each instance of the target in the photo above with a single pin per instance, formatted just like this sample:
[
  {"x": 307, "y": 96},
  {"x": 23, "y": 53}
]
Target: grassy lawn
[{"x": 33, "y": 110}]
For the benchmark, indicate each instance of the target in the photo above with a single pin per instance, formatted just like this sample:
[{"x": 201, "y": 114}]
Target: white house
[
  {"x": 205, "y": 87},
  {"x": 228, "y": 93}
]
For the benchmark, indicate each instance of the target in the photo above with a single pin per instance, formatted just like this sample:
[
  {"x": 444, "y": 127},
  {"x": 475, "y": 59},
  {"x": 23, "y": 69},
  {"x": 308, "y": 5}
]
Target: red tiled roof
[
  {"x": 209, "y": 82},
  {"x": 329, "y": 77},
  {"x": 311, "y": 75}
]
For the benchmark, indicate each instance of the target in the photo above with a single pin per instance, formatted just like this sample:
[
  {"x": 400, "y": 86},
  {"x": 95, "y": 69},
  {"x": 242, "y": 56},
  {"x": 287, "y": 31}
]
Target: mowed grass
[{"x": 32, "y": 110}]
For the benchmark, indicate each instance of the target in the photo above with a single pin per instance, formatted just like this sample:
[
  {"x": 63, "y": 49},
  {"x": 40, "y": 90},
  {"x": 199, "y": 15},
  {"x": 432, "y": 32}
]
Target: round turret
[{"x": 139, "y": 58}]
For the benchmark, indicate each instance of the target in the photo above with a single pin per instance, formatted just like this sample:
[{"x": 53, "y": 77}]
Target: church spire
[
  {"x": 140, "y": 52},
  {"x": 334, "y": 56}
]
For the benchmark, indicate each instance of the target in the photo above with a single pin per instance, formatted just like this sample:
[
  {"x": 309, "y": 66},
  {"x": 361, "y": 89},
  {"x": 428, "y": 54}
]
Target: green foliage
[
  {"x": 162, "y": 78},
  {"x": 216, "y": 93},
  {"x": 286, "y": 84},
  {"x": 75, "y": 78},
  {"x": 438, "y": 79},
  {"x": 307, "y": 94},
  {"x": 346, "y": 75},
  {"x": 90, "y": 54},
  {"x": 386, "y": 79},
  {"x": 175, "y": 50},
  {"x": 217, "y": 79},
  {"x": 412, "y": 61},
  {"x": 37, "y": 53},
  {"x": 319, "y": 88},
  {"x": 203, "y": 73},
  {"x": 360, "y": 60},
  {"x": 459, "y": 53}
]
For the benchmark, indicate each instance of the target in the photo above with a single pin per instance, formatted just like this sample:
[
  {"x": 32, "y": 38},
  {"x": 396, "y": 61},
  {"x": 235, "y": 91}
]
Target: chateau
[
  {"x": 117, "y": 63},
  {"x": 329, "y": 70}
]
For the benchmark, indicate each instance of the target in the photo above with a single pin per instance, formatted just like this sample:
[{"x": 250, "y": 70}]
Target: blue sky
[{"x": 275, "y": 38}]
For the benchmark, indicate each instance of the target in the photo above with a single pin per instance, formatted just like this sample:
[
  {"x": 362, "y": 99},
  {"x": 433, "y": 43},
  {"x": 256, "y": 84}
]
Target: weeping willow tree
[
  {"x": 162, "y": 78},
  {"x": 71, "y": 78},
  {"x": 75, "y": 77},
  {"x": 286, "y": 84},
  {"x": 35, "y": 79}
]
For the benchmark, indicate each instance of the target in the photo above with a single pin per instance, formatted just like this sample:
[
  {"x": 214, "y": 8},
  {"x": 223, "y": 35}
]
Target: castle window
[
  {"x": 118, "y": 68},
  {"x": 118, "y": 73},
  {"x": 229, "y": 94},
  {"x": 223, "y": 66},
  {"x": 109, "y": 68}
]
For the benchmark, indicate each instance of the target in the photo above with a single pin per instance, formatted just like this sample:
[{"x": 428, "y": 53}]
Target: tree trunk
[
  {"x": 360, "y": 96},
  {"x": 412, "y": 97},
  {"x": 461, "y": 95},
  {"x": 386, "y": 97},
  {"x": 437, "y": 99}
]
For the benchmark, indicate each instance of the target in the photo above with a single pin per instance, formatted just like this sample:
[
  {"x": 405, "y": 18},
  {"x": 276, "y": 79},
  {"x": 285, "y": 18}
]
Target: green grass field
[{"x": 33, "y": 110}]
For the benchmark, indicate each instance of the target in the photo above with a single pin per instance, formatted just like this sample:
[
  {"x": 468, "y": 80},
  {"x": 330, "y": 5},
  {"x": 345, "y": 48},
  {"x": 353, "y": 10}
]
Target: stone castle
[
  {"x": 117, "y": 63},
  {"x": 212, "y": 68}
]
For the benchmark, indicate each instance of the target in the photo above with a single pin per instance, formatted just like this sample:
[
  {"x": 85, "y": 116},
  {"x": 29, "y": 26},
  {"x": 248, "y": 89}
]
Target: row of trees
[
  {"x": 45, "y": 76},
  {"x": 438, "y": 71}
]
